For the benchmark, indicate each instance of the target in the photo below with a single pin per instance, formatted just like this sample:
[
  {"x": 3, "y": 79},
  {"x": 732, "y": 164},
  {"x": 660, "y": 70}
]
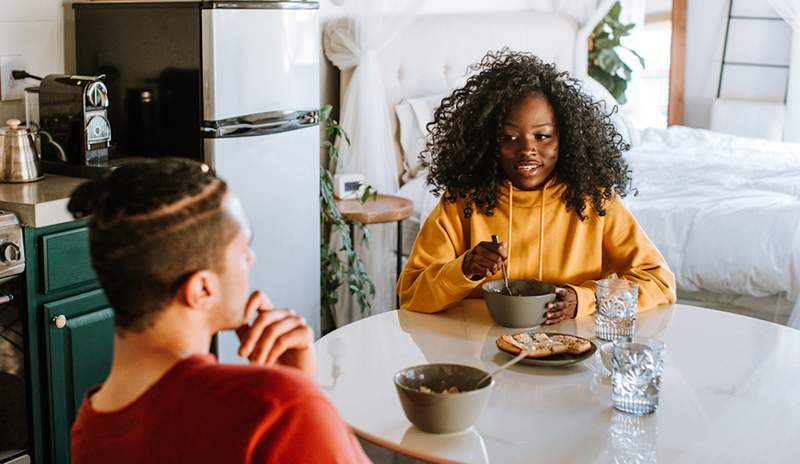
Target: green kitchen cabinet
[
  {"x": 71, "y": 332},
  {"x": 80, "y": 339}
]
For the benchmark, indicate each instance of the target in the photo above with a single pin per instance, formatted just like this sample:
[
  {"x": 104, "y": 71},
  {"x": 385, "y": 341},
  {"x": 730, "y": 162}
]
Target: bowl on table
[
  {"x": 526, "y": 305},
  {"x": 442, "y": 398}
]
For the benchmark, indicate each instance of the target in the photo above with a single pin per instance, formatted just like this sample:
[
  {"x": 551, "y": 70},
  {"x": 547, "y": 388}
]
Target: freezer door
[
  {"x": 276, "y": 177},
  {"x": 257, "y": 60}
]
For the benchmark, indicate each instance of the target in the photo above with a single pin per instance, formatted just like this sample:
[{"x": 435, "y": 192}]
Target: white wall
[
  {"x": 43, "y": 31},
  {"x": 748, "y": 41},
  {"x": 331, "y": 10},
  {"x": 37, "y": 30}
]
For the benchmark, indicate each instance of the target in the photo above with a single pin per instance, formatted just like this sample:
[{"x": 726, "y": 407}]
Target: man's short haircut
[{"x": 153, "y": 224}]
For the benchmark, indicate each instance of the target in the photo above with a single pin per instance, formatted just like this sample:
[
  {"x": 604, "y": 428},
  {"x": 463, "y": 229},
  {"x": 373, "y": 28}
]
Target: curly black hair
[{"x": 464, "y": 136}]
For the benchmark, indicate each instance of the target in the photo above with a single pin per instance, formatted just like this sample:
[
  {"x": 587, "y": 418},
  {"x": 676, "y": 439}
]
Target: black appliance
[
  {"x": 15, "y": 424},
  {"x": 73, "y": 111},
  {"x": 150, "y": 54}
]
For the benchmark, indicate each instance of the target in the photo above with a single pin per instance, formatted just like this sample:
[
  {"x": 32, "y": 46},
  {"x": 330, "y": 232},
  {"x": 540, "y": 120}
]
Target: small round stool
[{"x": 379, "y": 209}]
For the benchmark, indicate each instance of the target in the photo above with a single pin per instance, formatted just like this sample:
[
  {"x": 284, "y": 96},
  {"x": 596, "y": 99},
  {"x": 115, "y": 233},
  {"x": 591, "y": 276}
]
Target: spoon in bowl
[
  {"x": 516, "y": 359},
  {"x": 502, "y": 267}
]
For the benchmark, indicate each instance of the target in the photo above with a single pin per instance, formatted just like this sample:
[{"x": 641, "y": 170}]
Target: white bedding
[{"x": 724, "y": 210}]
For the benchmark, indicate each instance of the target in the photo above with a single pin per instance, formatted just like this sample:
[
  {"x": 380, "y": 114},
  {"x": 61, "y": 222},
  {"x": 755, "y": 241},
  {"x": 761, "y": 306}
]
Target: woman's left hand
[{"x": 564, "y": 307}]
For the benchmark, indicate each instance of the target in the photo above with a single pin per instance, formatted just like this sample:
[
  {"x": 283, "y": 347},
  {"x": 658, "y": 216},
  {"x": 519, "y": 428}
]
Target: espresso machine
[{"x": 73, "y": 110}]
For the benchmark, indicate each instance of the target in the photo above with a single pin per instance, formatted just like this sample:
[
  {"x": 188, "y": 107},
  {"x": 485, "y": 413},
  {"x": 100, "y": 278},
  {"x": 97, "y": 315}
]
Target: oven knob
[{"x": 9, "y": 252}]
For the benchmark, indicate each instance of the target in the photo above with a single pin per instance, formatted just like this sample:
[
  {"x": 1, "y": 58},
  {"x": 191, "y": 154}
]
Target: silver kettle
[{"x": 19, "y": 160}]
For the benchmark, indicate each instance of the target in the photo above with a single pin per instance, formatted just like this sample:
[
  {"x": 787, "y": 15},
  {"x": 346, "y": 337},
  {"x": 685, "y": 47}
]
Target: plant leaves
[{"x": 325, "y": 113}]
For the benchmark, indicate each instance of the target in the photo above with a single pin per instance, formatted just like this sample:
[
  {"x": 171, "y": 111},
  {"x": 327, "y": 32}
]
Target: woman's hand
[
  {"x": 564, "y": 307},
  {"x": 484, "y": 260},
  {"x": 276, "y": 336}
]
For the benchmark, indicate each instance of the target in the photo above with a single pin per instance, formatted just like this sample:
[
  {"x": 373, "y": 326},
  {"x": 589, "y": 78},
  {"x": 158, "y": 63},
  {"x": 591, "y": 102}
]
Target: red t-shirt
[{"x": 201, "y": 411}]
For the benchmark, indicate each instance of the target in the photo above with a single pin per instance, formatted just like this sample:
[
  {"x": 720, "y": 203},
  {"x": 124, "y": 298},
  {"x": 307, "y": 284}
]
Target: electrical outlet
[{"x": 12, "y": 89}]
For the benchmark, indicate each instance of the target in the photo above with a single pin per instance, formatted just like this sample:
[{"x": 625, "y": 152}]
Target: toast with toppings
[{"x": 543, "y": 345}]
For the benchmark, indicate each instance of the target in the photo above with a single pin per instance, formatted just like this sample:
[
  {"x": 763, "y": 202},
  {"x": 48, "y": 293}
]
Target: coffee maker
[{"x": 73, "y": 110}]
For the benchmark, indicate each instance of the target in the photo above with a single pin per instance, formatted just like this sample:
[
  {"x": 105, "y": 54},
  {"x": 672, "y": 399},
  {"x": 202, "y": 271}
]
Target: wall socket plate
[{"x": 12, "y": 89}]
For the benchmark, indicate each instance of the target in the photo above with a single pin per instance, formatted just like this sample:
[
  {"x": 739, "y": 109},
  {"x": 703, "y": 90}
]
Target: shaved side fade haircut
[{"x": 152, "y": 225}]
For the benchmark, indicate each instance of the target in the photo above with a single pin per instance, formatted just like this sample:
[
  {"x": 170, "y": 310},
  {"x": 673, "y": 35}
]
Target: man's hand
[
  {"x": 484, "y": 260},
  {"x": 276, "y": 336},
  {"x": 565, "y": 307}
]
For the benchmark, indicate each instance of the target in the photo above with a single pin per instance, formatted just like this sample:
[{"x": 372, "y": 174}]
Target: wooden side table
[{"x": 378, "y": 210}]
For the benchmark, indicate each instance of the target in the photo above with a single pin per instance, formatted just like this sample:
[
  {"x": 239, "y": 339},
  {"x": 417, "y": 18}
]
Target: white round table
[{"x": 731, "y": 390}]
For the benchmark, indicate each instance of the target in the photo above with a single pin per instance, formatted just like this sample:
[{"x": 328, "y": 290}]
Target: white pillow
[
  {"x": 599, "y": 93},
  {"x": 413, "y": 115}
]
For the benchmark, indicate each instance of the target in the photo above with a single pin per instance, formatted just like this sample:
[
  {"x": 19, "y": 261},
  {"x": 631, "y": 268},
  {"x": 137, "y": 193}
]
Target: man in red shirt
[{"x": 171, "y": 248}]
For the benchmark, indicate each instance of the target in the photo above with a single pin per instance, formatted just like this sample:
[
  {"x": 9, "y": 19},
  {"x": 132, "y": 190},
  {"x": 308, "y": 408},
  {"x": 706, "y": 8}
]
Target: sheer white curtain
[
  {"x": 369, "y": 26},
  {"x": 790, "y": 11}
]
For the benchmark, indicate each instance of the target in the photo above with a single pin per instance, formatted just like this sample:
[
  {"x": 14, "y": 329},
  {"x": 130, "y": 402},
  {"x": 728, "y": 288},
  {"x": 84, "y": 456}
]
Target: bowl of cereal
[
  {"x": 442, "y": 398},
  {"x": 524, "y": 307}
]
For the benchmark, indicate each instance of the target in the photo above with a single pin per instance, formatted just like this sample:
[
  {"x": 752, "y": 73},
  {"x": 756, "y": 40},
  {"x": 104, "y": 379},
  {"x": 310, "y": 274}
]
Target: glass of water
[
  {"x": 615, "y": 314},
  {"x": 636, "y": 368}
]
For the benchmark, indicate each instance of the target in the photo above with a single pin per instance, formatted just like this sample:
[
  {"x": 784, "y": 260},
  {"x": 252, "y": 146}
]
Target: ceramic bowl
[
  {"x": 437, "y": 412},
  {"x": 525, "y": 307}
]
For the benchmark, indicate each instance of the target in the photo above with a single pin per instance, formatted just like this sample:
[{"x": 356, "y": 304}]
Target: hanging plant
[
  {"x": 605, "y": 64},
  {"x": 341, "y": 266}
]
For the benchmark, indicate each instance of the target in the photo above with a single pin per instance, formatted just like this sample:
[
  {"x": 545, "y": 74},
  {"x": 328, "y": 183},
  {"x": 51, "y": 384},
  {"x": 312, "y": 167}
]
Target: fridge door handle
[{"x": 260, "y": 124}]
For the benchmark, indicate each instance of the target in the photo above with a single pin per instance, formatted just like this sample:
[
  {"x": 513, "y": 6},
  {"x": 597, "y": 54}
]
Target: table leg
[
  {"x": 399, "y": 252},
  {"x": 353, "y": 235}
]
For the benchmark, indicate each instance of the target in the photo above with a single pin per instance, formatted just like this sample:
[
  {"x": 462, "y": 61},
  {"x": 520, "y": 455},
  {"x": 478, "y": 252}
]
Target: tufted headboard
[{"x": 432, "y": 54}]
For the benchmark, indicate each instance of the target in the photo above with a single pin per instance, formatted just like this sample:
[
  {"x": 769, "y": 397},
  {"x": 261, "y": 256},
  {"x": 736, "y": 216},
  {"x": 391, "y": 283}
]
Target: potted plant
[
  {"x": 605, "y": 64},
  {"x": 342, "y": 266}
]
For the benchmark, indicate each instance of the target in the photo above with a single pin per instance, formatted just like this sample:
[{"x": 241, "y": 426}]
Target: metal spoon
[
  {"x": 516, "y": 359},
  {"x": 502, "y": 267}
]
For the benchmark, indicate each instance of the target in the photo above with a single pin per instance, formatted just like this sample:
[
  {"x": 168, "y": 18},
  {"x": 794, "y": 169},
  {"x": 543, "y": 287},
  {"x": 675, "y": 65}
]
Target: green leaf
[
  {"x": 613, "y": 13},
  {"x": 325, "y": 113},
  {"x": 609, "y": 61},
  {"x": 605, "y": 42},
  {"x": 626, "y": 29},
  {"x": 638, "y": 56}
]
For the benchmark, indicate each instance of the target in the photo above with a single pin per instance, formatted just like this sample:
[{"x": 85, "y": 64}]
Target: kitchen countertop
[{"x": 42, "y": 203}]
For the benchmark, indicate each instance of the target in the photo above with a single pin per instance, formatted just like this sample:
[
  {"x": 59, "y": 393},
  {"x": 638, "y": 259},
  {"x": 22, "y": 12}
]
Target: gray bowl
[
  {"x": 442, "y": 412},
  {"x": 522, "y": 311}
]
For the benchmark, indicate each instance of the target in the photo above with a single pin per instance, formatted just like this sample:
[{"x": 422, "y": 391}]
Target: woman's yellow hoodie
[{"x": 547, "y": 242}]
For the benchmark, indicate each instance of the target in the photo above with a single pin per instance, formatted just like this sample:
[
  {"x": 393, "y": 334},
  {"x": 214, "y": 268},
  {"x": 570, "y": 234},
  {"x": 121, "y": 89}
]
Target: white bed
[{"x": 724, "y": 210}]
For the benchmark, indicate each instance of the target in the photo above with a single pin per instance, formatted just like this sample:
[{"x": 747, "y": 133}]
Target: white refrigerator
[{"x": 260, "y": 79}]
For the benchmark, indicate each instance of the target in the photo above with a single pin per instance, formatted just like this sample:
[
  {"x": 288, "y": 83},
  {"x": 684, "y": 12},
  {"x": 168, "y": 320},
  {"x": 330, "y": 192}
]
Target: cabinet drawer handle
[{"x": 60, "y": 321}]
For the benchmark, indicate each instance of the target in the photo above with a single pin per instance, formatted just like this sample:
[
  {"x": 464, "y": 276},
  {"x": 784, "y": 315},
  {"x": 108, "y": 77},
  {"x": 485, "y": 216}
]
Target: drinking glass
[
  {"x": 615, "y": 314},
  {"x": 636, "y": 369}
]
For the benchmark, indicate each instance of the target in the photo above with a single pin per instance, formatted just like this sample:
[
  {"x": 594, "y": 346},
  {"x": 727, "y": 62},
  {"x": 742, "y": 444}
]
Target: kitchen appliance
[
  {"x": 15, "y": 410},
  {"x": 19, "y": 156},
  {"x": 73, "y": 109},
  {"x": 234, "y": 84},
  {"x": 32, "y": 107}
]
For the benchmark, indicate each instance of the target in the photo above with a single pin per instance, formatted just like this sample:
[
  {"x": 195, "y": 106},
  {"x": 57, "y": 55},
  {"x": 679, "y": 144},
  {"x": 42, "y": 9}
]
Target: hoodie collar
[{"x": 553, "y": 190}]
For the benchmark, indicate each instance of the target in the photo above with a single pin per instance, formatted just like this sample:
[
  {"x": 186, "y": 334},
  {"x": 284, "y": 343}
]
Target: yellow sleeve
[
  {"x": 631, "y": 255},
  {"x": 432, "y": 279}
]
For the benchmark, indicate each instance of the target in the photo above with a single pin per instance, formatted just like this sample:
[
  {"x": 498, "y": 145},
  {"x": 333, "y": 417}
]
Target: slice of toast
[
  {"x": 575, "y": 345},
  {"x": 543, "y": 345}
]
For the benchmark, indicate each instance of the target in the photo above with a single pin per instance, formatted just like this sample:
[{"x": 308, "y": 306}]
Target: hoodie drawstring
[
  {"x": 510, "y": 222},
  {"x": 510, "y": 216},
  {"x": 541, "y": 230}
]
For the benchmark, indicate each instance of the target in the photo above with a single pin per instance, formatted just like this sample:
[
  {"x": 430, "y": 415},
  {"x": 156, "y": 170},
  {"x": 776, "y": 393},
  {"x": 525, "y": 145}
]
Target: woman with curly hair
[{"x": 520, "y": 152}]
